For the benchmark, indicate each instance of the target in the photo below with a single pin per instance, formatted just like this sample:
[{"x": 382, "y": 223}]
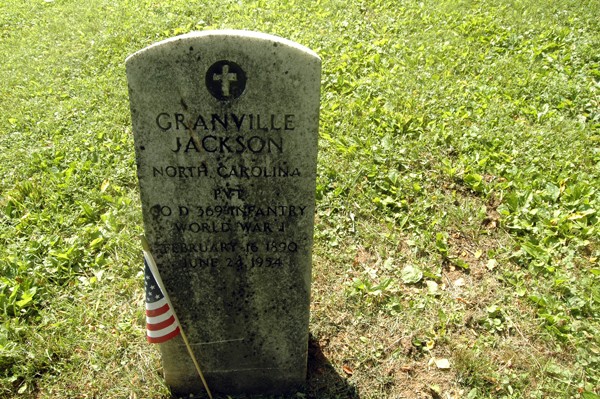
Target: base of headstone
[{"x": 181, "y": 375}]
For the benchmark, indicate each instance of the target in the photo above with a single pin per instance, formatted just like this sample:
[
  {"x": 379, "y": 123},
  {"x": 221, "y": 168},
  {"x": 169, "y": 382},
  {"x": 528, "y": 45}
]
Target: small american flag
[{"x": 161, "y": 324}]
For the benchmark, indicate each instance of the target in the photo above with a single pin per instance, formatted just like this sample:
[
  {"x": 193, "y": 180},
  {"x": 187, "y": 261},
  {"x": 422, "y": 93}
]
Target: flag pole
[{"x": 154, "y": 269}]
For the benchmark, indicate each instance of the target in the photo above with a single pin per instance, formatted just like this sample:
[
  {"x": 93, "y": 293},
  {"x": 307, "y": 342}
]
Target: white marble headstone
[{"x": 225, "y": 126}]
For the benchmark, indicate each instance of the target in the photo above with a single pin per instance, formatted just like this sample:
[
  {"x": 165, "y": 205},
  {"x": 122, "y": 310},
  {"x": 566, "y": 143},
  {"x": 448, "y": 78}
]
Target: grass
[{"x": 457, "y": 195}]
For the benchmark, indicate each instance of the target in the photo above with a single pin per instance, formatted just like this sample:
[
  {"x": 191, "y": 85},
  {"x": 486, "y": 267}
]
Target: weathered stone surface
[{"x": 225, "y": 127}]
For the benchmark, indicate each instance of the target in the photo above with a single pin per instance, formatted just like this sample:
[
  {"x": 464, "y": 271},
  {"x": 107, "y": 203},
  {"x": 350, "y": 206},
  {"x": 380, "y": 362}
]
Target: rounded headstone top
[{"x": 223, "y": 34}]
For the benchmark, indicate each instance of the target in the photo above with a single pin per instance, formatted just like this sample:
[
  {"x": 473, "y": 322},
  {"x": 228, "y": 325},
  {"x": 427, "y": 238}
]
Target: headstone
[{"x": 225, "y": 126}]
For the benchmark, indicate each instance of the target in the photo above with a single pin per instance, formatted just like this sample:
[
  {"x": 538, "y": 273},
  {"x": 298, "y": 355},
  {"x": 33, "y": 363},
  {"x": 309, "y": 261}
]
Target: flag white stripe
[
  {"x": 156, "y": 305},
  {"x": 159, "y": 318},
  {"x": 163, "y": 332}
]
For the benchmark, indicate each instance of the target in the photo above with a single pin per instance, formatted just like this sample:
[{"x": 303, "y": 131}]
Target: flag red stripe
[
  {"x": 161, "y": 325},
  {"x": 164, "y": 338},
  {"x": 159, "y": 311}
]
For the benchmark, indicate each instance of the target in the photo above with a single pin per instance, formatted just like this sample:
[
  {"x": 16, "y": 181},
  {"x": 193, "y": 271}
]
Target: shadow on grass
[{"x": 323, "y": 382}]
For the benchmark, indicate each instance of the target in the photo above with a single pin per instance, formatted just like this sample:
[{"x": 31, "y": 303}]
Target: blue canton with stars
[{"x": 153, "y": 292}]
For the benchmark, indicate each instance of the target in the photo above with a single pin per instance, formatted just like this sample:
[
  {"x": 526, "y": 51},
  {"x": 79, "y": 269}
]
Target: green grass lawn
[{"x": 457, "y": 250}]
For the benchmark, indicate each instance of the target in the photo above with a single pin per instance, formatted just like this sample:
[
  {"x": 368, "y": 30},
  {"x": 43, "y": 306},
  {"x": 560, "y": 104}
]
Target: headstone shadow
[{"x": 323, "y": 381}]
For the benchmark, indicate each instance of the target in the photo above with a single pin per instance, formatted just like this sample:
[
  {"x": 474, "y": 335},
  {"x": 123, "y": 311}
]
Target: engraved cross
[{"x": 225, "y": 77}]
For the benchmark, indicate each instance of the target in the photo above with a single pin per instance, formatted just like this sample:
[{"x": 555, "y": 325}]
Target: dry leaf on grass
[{"x": 442, "y": 364}]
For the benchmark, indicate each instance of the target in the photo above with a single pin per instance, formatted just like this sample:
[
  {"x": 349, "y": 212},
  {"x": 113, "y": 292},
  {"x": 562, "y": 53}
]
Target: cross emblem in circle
[
  {"x": 225, "y": 80},
  {"x": 225, "y": 77}
]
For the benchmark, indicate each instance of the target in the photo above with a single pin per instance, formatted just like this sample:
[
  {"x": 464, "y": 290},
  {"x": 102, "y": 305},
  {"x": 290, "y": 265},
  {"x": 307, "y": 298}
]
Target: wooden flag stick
[{"x": 154, "y": 268}]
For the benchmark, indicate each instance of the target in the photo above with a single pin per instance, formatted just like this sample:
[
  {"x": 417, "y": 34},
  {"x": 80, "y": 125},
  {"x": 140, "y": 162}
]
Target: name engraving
[{"x": 248, "y": 122}]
